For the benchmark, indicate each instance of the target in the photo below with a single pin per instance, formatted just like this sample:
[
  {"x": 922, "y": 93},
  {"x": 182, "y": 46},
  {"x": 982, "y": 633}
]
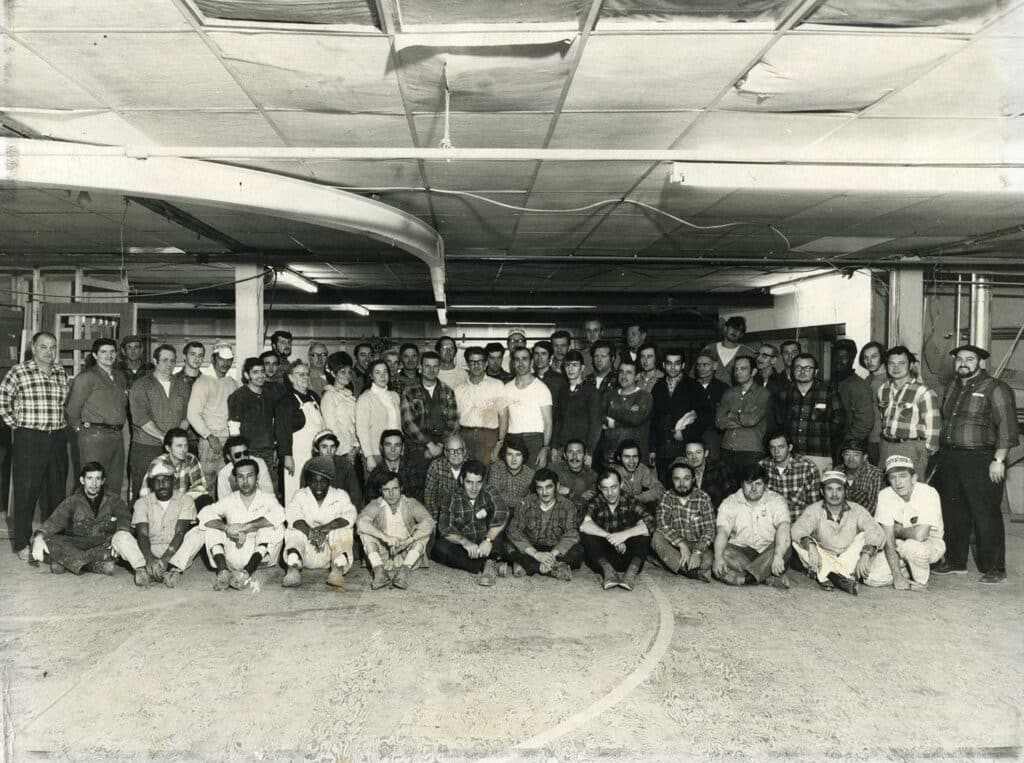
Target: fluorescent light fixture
[
  {"x": 527, "y": 307},
  {"x": 777, "y": 291},
  {"x": 153, "y": 250},
  {"x": 288, "y": 277},
  {"x": 934, "y": 179},
  {"x": 349, "y": 307}
]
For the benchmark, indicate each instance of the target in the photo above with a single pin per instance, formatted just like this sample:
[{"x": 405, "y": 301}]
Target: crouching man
[
  {"x": 165, "y": 543},
  {"x": 836, "y": 539},
  {"x": 910, "y": 513},
  {"x": 616, "y": 533},
  {"x": 394, "y": 530},
  {"x": 244, "y": 530},
  {"x": 321, "y": 520},
  {"x": 686, "y": 526},
  {"x": 81, "y": 531},
  {"x": 543, "y": 536},
  {"x": 470, "y": 530},
  {"x": 752, "y": 543}
]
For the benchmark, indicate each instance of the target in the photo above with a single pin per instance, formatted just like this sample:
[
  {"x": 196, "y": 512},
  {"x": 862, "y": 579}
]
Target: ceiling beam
[{"x": 190, "y": 222}]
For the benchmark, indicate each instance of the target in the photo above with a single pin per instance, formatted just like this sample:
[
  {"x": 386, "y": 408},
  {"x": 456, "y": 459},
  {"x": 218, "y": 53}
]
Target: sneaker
[
  {"x": 222, "y": 581},
  {"x": 292, "y": 577},
  {"x": 992, "y": 578},
  {"x": 563, "y": 572},
  {"x": 142, "y": 578},
  {"x": 610, "y": 583},
  {"x": 943, "y": 568},
  {"x": 106, "y": 567},
  {"x": 518, "y": 570},
  {"x": 502, "y": 569},
  {"x": 400, "y": 579},
  {"x": 25, "y": 554},
  {"x": 915, "y": 586},
  {"x": 171, "y": 577},
  {"x": 336, "y": 579},
  {"x": 843, "y": 583},
  {"x": 487, "y": 576},
  {"x": 379, "y": 579},
  {"x": 238, "y": 579},
  {"x": 628, "y": 580}
]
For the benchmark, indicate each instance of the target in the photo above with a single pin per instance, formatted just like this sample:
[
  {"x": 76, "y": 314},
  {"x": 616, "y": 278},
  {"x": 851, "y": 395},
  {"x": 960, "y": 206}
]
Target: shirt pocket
[
  {"x": 819, "y": 412},
  {"x": 905, "y": 412}
]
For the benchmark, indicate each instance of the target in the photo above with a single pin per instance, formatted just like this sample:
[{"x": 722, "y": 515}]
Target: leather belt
[{"x": 98, "y": 425}]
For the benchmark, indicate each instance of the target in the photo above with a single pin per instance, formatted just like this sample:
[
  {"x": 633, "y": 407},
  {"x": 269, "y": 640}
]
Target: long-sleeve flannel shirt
[
  {"x": 29, "y": 399},
  {"x": 979, "y": 414},
  {"x": 910, "y": 412},
  {"x": 507, "y": 488},
  {"x": 624, "y": 516},
  {"x": 471, "y": 520},
  {"x": 798, "y": 483},
  {"x": 415, "y": 422},
  {"x": 412, "y": 476},
  {"x": 690, "y": 519},
  {"x": 864, "y": 486},
  {"x": 717, "y": 480},
  {"x": 556, "y": 528},
  {"x": 814, "y": 420},
  {"x": 744, "y": 418},
  {"x": 642, "y": 483},
  {"x": 835, "y": 534},
  {"x": 189, "y": 477},
  {"x": 442, "y": 484}
]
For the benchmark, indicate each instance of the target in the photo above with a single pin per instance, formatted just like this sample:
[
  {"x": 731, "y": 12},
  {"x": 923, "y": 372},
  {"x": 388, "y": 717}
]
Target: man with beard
[
  {"x": 321, "y": 521},
  {"x": 854, "y": 393},
  {"x": 685, "y": 527},
  {"x": 281, "y": 346},
  {"x": 979, "y": 426}
]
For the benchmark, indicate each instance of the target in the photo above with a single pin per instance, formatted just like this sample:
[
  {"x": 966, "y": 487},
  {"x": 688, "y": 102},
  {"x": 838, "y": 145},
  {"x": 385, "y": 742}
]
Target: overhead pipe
[{"x": 981, "y": 311}]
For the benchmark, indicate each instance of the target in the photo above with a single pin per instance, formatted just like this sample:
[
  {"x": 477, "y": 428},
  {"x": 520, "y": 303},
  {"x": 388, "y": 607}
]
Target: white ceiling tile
[
  {"x": 175, "y": 70},
  {"x": 478, "y": 12},
  {"x": 659, "y": 71},
  {"x": 747, "y": 136},
  {"x": 616, "y": 177},
  {"x": 620, "y": 129},
  {"x": 32, "y": 201},
  {"x": 840, "y": 244},
  {"x": 97, "y": 127},
  {"x": 30, "y": 82},
  {"x": 471, "y": 130},
  {"x": 766, "y": 206},
  {"x": 947, "y": 15},
  {"x": 286, "y": 167},
  {"x": 204, "y": 128},
  {"x": 367, "y": 173},
  {"x": 1011, "y": 25},
  {"x": 480, "y": 176},
  {"x": 898, "y": 140},
  {"x": 314, "y": 72},
  {"x": 109, "y": 14},
  {"x": 653, "y": 14},
  {"x": 815, "y": 72},
  {"x": 531, "y": 224},
  {"x": 308, "y": 128}
]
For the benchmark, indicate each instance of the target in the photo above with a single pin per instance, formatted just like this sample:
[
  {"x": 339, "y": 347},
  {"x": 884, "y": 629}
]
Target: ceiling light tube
[
  {"x": 351, "y": 308},
  {"x": 288, "y": 277}
]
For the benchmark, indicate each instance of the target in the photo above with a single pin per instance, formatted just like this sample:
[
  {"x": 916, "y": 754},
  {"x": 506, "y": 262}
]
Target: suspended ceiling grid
[{"x": 851, "y": 80}]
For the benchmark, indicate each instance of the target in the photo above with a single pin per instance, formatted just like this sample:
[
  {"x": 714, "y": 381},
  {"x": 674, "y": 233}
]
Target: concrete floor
[{"x": 94, "y": 669}]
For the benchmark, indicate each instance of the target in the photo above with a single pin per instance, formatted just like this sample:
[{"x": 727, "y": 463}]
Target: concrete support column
[
  {"x": 906, "y": 308},
  {"x": 981, "y": 311},
  {"x": 248, "y": 312}
]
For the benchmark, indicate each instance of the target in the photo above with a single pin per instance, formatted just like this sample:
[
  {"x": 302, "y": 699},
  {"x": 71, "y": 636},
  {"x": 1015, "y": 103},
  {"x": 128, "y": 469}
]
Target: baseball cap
[
  {"x": 854, "y": 443},
  {"x": 223, "y": 350},
  {"x": 321, "y": 465},
  {"x": 833, "y": 475},
  {"x": 160, "y": 469},
  {"x": 892, "y": 463}
]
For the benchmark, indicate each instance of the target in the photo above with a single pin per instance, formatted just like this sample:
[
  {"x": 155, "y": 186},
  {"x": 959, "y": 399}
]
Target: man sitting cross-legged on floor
[
  {"x": 910, "y": 513},
  {"x": 471, "y": 529},
  {"x": 753, "y": 543},
  {"x": 394, "y": 530},
  {"x": 616, "y": 533},
  {"x": 686, "y": 526},
  {"x": 242, "y": 531},
  {"x": 165, "y": 543},
  {"x": 836, "y": 539},
  {"x": 543, "y": 534},
  {"x": 321, "y": 521},
  {"x": 79, "y": 533}
]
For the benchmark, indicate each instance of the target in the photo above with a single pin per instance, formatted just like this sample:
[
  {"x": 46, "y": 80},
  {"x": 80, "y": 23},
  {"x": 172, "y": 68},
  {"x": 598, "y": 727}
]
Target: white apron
[{"x": 302, "y": 446}]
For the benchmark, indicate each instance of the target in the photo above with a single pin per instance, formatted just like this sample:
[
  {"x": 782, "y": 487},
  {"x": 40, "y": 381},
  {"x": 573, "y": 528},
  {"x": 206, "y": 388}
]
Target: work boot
[
  {"x": 401, "y": 578},
  {"x": 292, "y": 577},
  {"x": 487, "y": 577},
  {"x": 704, "y": 575},
  {"x": 777, "y": 581},
  {"x": 336, "y": 579},
  {"x": 945, "y": 568},
  {"x": 609, "y": 577},
  {"x": 223, "y": 580},
  {"x": 380, "y": 579},
  {"x": 57, "y": 569},
  {"x": 25, "y": 554},
  {"x": 843, "y": 583},
  {"x": 827, "y": 584},
  {"x": 993, "y": 578},
  {"x": 238, "y": 579},
  {"x": 104, "y": 567},
  {"x": 502, "y": 569},
  {"x": 171, "y": 577},
  {"x": 142, "y": 578},
  {"x": 629, "y": 579},
  {"x": 563, "y": 572},
  {"x": 518, "y": 571}
]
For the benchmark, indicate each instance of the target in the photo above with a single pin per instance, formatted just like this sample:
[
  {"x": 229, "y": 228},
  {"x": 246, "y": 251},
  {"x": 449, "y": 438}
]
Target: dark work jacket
[{"x": 668, "y": 409}]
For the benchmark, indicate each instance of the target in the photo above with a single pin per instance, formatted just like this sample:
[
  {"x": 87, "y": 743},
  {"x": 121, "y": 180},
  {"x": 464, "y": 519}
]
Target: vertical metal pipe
[
  {"x": 958, "y": 321},
  {"x": 981, "y": 310}
]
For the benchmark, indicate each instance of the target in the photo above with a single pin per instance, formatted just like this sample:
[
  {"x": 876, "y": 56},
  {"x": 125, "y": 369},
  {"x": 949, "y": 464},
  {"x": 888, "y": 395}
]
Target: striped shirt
[
  {"x": 909, "y": 412},
  {"x": 29, "y": 399}
]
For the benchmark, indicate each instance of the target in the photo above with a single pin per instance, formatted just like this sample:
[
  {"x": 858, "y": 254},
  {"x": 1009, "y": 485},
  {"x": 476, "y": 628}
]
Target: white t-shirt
[
  {"x": 726, "y": 354},
  {"x": 524, "y": 406},
  {"x": 923, "y": 508},
  {"x": 479, "y": 404},
  {"x": 454, "y": 377},
  {"x": 752, "y": 525}
]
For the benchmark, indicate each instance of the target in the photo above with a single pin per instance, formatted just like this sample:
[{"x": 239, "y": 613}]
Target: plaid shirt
[
  {"x": 864, "y": 486},
  {"x": 625, "y": 516},
  {"x": 461, "y": 517},
  {"x": 412, "y": 475},
  {"x": 507, "y": 488},
  {"x": 690, "y": 519},
  {"x": 910, "y": 412},
  {"x": 716, "y": 479},
  {"x": 528, "y": 526},
  {"x": 189, "y": 477},
  {"x": 642, "y": 484},
  {"x": 400, "y": 383},
  {"x": 798, "y": 483},
  {"x": 441, "y": 486},
  {"x": 29, "y": 399},
  {"x": 415, "y": 401},
  {"x": 979, "y": 414},
  {"x": 814, "y": 420}
]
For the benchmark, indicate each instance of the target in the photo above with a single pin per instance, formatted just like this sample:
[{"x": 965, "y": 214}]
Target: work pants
[
  {"x": 210, "y": 461},
  {"x": 743, "y": 561},
  {"x": 139, "y": 458},
  {"x": 39, "y": 473},
  {"x": 971, "y": 500},
  {"x": 845, "y": 563},
  {"x": 480, "y": 443},
  {"x": 105, "y": 446},
  {"x": 913, "y": 449},
  {"x": 674, "y": 560},
  {"x": 573, "y": 557},
  {"x": 380, "y": 555},
  {"x": 739, "y": 460},
  {"x": 916, "y": 558},
  {"x": 73, "y": 552},
  {"x": 454, "y": 555},
  {"x": 597, "y": 550},
  {"x": 127, "y": 547},
  {"x": 269, "y": 456},
  {"x": 337, "y": 552},
  {"x": 269, "y": 539}
]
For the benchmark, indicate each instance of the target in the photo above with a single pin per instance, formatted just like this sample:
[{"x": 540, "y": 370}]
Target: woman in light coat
[{"x": 377, "y": 409}]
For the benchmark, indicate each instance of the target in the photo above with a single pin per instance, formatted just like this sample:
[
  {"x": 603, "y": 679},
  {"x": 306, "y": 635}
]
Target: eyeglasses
[
  {"x": 240, "y": 454},
  {"x": 454, "y": 451},
  {"x": 476, "y": 362},
  {"x": 804, "y": 368}
]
